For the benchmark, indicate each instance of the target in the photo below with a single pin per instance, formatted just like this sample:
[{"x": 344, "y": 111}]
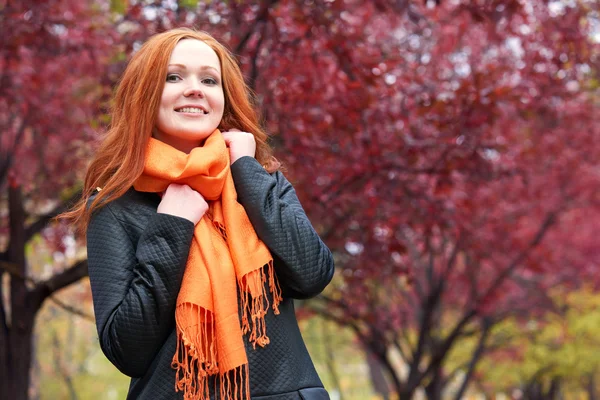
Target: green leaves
[
  {"x": 563, "y": 344},
  {"x": 189, "y": 4},
  {"x": 119, "y": 6}
]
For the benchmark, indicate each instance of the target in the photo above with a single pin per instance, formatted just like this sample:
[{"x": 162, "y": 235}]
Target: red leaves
[{"x": 52, "y": 65}]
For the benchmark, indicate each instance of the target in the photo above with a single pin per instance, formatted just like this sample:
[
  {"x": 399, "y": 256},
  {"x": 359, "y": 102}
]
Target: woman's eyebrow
[{"x": 204, "y": 67}]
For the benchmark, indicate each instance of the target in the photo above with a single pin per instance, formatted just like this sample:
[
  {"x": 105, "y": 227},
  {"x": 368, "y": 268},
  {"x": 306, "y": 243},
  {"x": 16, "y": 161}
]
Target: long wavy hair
[{"x": 119, "y": 160}]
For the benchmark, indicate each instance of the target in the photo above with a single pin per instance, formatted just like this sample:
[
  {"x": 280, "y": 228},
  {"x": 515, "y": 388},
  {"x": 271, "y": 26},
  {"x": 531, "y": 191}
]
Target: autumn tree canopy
[{"x": 445, "y": 150}]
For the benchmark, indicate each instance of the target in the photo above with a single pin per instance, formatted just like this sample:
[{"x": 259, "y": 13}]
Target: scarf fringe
[
  {"x": 255, "y": 303},
  {"x": 236, "y": 387},
  {"x": 195, "y": 359},
  {"x": 195, "y": 364}
]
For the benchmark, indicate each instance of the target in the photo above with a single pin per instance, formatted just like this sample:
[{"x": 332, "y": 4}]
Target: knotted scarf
[{"x": 225, "y": 256}]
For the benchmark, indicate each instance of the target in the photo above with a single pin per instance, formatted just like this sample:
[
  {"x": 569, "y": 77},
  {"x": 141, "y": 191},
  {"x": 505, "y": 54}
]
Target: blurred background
[{"x": 446, "y": 151}]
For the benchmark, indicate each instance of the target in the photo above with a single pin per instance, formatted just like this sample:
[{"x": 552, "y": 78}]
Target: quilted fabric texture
[{"x": 136, "y": 260}]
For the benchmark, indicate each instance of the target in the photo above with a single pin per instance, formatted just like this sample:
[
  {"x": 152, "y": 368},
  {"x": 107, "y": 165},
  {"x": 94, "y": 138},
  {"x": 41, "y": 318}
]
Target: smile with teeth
[{"x": 191, "y": 110}]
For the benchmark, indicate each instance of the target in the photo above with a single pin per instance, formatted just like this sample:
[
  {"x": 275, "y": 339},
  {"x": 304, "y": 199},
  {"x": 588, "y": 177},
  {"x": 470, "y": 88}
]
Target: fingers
[
  {"x": 183, "y": 201},
  {"x": 227, "y": 138},
  {"x": 240, "y": 144},
  {"x": 182, "y": 190},
  {"x": 235, "y": 134}
]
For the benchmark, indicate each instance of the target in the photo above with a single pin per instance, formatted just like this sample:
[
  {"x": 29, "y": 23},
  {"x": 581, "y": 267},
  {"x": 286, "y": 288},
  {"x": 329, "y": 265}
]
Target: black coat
[{"x": 136, "y": 260}]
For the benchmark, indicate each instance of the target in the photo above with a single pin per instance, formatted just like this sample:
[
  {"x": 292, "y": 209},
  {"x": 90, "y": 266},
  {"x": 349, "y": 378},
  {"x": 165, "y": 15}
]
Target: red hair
[{"x": 119, "y": 160}]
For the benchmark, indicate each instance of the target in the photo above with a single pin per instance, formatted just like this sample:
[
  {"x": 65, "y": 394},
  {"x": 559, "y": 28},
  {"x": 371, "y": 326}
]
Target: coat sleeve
[
  {"x": 135, "y": 285},
  {"x": 303, "y": 263}
]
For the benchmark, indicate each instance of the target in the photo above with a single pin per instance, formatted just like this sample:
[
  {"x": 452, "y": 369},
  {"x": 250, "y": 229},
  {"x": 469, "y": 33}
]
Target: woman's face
[{"x": 192, "y": 102}]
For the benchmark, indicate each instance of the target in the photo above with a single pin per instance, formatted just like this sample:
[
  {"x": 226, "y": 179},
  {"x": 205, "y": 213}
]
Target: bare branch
[
  {"x": 428, "y": 310},
  {"x": 479, "y": 350},
  {"x": 546, "y": 224},
  {"x": 3, "y": 316},
  {"x": 430, "y": 265},
  {"x": 453, "y": 256},
  {"x": 43, "y": 220},
  {"x": 398, "y": 347},
  {"x": 261, "y": 17},
  {"x": 58, "y": 281},
  {"x": 455, "y": 333},
  {"x": 59, "y": 366},
  {"x": 254, "y": 69},
  {"x": 472, "y": 276},
  {"x": 416, "y": 257},
  {"x": 61, "y": 280},
  {"x": 72, "y": 310},
  {"x": 12, "y": 269},
  {"x": 7, "y": 162}
]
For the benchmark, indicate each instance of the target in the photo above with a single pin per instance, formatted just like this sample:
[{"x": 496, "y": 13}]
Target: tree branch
[
  {"x": 7, "y": 163},
  {"x": 43, "y": 220},
  {"x": 453, "y": 256},
  {"x": 365, "y": 340},
  {"x": 72, "y": 310},
  {"x": 261, "y": 17},
  {"x": 428, "y": 310},
  {"x": 3, "y": 320},
  {"x": 12, "y": 269},
  {"x": 254, "y": 69},
  {"x": 487, "y": 325},
  {"x": 59, "y": 365},
  {"x": 61, "y": 280},
  {"x": 548, "y": 222},
  {"x": 447, "y": 344}
]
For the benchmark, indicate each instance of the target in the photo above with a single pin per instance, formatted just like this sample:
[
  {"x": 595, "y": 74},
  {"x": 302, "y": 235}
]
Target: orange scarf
[{"x": 225, "y": 250}]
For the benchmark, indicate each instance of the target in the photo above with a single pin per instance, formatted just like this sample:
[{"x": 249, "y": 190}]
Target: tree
[
  {"x": 51, "y": 87},
  {"x": 460, "y": 181}
]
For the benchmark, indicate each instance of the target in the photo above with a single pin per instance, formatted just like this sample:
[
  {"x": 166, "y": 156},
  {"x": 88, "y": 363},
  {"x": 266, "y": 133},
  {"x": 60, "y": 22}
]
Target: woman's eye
[
  {"x": 173, "y": 78},
  {"x": 209, "y": 81}
]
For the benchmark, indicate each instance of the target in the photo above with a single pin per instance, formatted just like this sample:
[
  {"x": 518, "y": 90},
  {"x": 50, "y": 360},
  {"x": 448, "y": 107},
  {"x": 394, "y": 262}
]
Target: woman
[{"x": 197, "y": 244}]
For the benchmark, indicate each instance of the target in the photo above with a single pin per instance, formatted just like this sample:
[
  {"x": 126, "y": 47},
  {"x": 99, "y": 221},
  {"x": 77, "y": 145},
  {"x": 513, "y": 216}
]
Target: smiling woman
[{"x": 197, "y": 243}]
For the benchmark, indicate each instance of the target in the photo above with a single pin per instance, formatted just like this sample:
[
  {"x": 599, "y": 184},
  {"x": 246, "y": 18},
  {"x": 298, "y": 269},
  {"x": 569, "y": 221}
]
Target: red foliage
[{"x": 52, "y": 84}]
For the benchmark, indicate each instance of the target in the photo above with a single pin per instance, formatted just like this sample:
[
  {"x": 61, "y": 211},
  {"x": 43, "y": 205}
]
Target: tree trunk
[
  {"x": 4, "y": 362},
  {"x": 16, "y": 378},
  {"x": 330, "y": 358},
  {"x": 407, "y": 394},
  {"x": 433, "y": 390},
  {"x": 479, "y": 350},
  {"x": 554, "y": 391},
  {"x": 18, "y": 318},
  {"x": 378, "y": 381},
  {"x": 535, "y": 390},
  {"x": 591, "y": 387}
]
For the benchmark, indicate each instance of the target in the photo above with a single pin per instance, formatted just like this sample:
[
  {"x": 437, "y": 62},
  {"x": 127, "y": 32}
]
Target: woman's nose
[{"x": 193, "y": 90}]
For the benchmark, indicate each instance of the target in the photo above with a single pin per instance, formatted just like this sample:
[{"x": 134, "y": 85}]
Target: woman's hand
[
  {"x": 183, "y": 201},
  {"x": 240, "y": 144}
]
